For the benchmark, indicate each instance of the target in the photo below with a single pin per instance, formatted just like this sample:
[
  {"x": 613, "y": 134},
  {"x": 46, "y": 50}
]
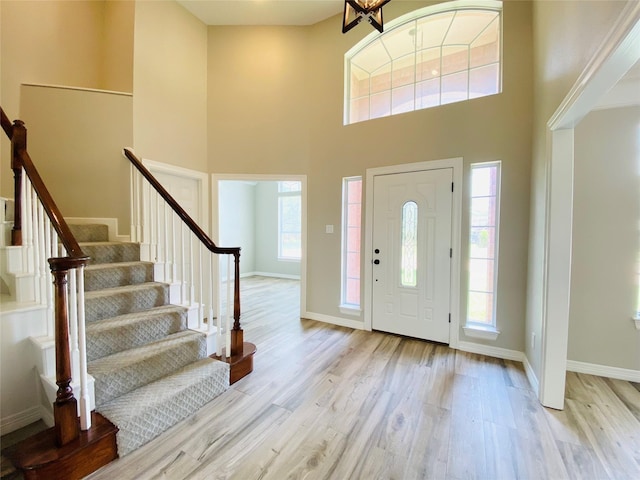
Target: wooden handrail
[
  {"x": 236, "y": 333},
  {"x": 6, "y": 124},
  {"x": 193, "y": 226}
]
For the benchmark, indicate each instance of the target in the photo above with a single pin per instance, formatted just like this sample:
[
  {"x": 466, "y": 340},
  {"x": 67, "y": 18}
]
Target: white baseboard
[
  {"x": 491, "y": 351},
  {"x": 604, "y": 371},
  {"x": 531, "y": 376},
  {"x": 18, "y": 420},
  {"x": 341, "y": 322},
  {"x": 271, "y": 275},
  {"x": 47, "y": 416}
]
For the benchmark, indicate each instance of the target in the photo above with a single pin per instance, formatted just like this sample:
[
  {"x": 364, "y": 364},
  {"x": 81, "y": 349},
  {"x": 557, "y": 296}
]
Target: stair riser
[
  {"x": 117, "y": 276},
  {"x": 112, "y": 305},
  {"x": 112, "y": 253},
  {"x": 90, "y": 232}
]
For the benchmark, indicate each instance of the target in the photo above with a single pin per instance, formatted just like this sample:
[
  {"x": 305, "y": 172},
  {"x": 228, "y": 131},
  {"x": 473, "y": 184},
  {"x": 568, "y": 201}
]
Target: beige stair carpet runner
[{"x": 150, "y": 371}]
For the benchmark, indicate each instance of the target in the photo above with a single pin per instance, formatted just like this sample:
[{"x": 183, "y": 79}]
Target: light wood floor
[{"x": 327, "y": 402}]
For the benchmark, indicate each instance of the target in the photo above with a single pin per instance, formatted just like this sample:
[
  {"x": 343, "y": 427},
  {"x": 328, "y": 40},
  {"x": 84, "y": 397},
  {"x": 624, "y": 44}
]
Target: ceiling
[{"x": 263, "y": 12}]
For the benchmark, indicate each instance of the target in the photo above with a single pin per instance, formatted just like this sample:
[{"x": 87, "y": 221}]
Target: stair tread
[
  {"x": 138, "y": 354},
  {"x": 105, "y": 242},
  {"x": 104, "y": 266},
  {"x": 123, "y": 289},
  {"x": 114, "y": 322}
]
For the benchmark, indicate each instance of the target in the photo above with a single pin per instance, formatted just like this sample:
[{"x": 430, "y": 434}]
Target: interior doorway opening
[{"x": 266, "y": 216}]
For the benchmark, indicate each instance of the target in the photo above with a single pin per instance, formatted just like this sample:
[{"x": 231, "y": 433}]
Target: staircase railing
[
  {"x": 185, "y": 257},
  {"x": 46, "y": 238}
]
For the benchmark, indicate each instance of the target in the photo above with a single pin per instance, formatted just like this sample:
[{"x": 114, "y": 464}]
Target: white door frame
[
  {"x": 216, "y": 178},
  {"x": 618, "y": 53},
  {"x": 456, "y": 222}
]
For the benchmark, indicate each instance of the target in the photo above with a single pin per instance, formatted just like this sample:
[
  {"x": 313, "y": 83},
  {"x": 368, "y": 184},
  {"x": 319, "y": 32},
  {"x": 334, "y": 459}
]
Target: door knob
[
  {"x": 377, "y": 250},
  {"x": 376, "y": 262}
]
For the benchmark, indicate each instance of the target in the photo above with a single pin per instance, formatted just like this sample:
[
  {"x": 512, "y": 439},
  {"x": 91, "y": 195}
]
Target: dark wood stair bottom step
[
  {"x": 38, "y": 457},
  {"x": 240, "y": 365}
]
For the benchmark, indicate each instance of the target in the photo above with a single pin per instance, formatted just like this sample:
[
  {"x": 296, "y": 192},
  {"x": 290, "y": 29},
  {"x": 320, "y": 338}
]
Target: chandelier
[{"x": 357, "y": 10}]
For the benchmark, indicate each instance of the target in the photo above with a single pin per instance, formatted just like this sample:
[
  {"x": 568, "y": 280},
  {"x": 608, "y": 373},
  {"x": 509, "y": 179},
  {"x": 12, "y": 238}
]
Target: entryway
[{"x": 412, "y": 249}]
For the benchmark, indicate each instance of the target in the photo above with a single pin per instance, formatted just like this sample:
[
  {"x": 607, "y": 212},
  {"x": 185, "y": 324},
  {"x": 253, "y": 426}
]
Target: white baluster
[
  {"x": 201, "y": 269},
  {"x": 229, "y": 307},
  {"x": 191, "y": 267},
  {"x": 133, "y": 192},
  {"x": 174, "y": 252},
  {"x": 85, "y": 403},
  {"x": 167, "y": 240},
  {"x": 49, "y": 283},
  {"x": 212, "y": 286},
  {"x": 72, "y": 308},
  {"x": 39, "y": 258},
  {"x": 183, "y": 276},
  {"x": 27, "y": 224}
]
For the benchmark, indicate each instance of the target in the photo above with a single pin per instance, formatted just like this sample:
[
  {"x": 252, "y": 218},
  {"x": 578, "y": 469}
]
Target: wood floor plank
[
  {"x": 327, "y": 402},
  {"x": 616, "y": 459}
]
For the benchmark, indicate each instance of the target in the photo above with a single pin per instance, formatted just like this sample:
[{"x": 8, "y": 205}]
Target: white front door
[{"x": 411, "y": 253}]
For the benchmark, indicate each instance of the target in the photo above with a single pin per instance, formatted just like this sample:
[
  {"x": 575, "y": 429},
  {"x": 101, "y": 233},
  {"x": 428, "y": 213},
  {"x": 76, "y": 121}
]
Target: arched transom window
[{"x": 436, "y": 55}]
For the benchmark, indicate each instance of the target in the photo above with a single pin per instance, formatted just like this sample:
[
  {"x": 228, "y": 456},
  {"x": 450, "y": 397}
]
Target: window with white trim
[
  {"x": 483, "y": 247},
  {"x": 440, "y": 54},
  {"x": 289, "y": 220},
  {"x": 351, "y": 230}
]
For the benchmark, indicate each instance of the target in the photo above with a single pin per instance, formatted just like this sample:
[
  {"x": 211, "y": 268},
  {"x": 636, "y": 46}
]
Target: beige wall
[
  {"x": 606, "y": 240},
  {"x": 75, "y": 140},
  {"x": 116, "y": 71},
  {"x": 170, "y": 85},
  {"x": 53, "y": 42},
  {"x": 566, "y": 36},
  {"x": 270, "y": 88},
  {"x": 260, "y": 102}
]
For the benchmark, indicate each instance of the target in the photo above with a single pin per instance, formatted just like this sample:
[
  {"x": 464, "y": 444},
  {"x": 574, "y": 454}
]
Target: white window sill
[
  {"x": 350, "y": 310},
  {"x": 636, "y": 320},
  {"x": 481, "y": 331}
]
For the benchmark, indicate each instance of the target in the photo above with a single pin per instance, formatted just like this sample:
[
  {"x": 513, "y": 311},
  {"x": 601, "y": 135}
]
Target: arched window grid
[{"x": 389, "y": 91}]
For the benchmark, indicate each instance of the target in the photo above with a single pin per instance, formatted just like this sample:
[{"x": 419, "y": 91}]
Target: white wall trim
[
  {"x": 531, "y": 375},
  {"x": 216, "y": 178},
  {"x": 490, "y": 351},
  {"x": 341, "y": 322},
  {"x": 47, "y": 416},
  {"x": 270, "y": 275},
  {"x": 457, "y": 165},
  {"x": 21, "y": 419},
  {"x": 82, "y": 89},
  {"x": 111, "y": 223},
  {"x": 617, "y": 55},
  {"x": 604, "y": 371}
]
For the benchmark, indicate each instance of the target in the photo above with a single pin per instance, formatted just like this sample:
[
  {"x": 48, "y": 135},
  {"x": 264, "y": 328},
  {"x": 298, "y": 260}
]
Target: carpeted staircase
[{"x": 150, "y": 371}]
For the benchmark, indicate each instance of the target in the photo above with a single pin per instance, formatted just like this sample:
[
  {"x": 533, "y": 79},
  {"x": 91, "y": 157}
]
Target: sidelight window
[
  {"x": 351, "y": 234},
  {"x": 483, "y": 249}
]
